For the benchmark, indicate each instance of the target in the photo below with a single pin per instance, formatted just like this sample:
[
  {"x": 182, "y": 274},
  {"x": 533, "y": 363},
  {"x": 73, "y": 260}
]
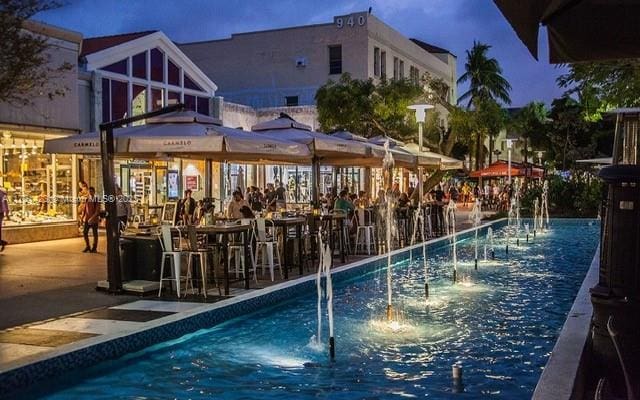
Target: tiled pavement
[{"x": 38, "y": 338}]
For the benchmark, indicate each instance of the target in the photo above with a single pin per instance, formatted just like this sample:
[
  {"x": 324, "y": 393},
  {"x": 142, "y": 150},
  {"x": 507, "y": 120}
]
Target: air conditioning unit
[{"x": 301, "y": 62}]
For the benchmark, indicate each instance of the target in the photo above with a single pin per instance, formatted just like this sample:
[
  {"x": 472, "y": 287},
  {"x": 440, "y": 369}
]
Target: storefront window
[
  {"x": 39, "y": 186},
  {"x": 193, "y": 177}
]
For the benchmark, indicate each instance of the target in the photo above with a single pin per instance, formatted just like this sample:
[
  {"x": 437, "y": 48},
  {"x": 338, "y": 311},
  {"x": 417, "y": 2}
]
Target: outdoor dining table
[
  {"x": 224, "y": 231},
  {"x": 285, "y": 223},
  {"x": 339, "y": 219}
]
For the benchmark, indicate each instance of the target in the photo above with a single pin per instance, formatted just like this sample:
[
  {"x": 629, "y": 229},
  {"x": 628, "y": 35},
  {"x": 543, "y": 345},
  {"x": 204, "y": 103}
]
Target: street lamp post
[
  {"x": 421, "y": 111},
  {"x": 421, "y": 114},
  {"x": 509, "y": 147}
]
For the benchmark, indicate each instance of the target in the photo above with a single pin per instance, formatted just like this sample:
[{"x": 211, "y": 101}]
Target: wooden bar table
[
  {"x": 285, "y": 223},
  {"x": 224, "y": 230}
]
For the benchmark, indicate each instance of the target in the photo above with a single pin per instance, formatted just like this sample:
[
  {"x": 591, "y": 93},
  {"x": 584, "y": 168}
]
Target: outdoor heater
[{"x": 616, "y": 297}]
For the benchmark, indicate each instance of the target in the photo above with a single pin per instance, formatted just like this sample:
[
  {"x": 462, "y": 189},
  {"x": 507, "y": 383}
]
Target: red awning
[{"x": 501, "y": 169}]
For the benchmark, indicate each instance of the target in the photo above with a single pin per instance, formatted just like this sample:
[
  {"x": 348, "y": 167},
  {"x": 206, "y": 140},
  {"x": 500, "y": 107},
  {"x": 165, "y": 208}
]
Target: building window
[
  {"x": 203, "y": 105},
  {"x": 291, "y": 101},
  {"x": 376, "y": 61},
  {"x": 139, "y": 65},
  {"x": 383, "y": 64},
  {"x": 119, "y": 67},
  {"x": 139, "y": 100},
  {"x": 157, "y": 65},
  {"x": 396, "y": 65},
  {"x": 335, "y": 59},
  {"x": 190, "y": 102},
  {"x": 190, "y": 84},
  {"x": 414, "y": 74},
  {"x": 156, "y": 99},
  {"x": 401, "y": 69},
  {"x": 173, "y": 74},
  {"x": 119, "y": 100},
  {"x": 173, "y": 98}
]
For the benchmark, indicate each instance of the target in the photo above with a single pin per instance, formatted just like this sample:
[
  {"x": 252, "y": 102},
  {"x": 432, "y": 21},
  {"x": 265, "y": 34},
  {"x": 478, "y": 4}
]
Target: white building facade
[{"x": 285, "y": 67}]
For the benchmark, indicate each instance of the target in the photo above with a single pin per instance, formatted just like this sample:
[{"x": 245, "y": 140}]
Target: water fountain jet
[
  {"x": 450, "y": 224},
  {"x": 475, "y": 217},
  {"x": 324, "y": 269},
  {"x": 387, "y": 165}
]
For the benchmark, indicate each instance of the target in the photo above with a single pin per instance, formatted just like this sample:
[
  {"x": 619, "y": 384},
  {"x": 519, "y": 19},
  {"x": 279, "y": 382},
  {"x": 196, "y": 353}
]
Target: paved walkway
[{"x": 48, "y": 297}]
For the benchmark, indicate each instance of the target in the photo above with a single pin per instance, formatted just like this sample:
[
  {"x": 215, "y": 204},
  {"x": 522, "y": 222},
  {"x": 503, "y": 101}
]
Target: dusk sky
[{"x": 452, "y": 24}]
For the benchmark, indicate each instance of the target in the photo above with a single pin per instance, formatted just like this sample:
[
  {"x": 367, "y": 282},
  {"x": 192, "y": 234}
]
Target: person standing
[
  {"x": 83, "y": 193},
  {"x": 124, "y": 209},
  {"x": 4, "y": 211},
  {"x": 90, "y": 219},
  {"x": 187, "y": 208}
]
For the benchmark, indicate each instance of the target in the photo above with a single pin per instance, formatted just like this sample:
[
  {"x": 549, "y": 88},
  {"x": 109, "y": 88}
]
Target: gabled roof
[
  {"x": 429, "y": 47},
  {"x": 95, "y": 44},
  {"x": 116, "y": 48}
]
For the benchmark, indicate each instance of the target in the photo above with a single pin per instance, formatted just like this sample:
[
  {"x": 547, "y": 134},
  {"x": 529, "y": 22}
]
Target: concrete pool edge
[
  {"x": 20, "y": 374},
  {"x": 562, "y": 377}
]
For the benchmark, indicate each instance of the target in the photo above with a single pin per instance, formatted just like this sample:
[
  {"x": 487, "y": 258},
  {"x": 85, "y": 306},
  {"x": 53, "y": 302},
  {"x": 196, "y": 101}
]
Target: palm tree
[
  {"x": 484, "y": 76},
  {"x": 486, "y": 85}
]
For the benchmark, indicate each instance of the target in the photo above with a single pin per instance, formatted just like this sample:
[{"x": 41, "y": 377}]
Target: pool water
[{"x": 500, "y": 326}]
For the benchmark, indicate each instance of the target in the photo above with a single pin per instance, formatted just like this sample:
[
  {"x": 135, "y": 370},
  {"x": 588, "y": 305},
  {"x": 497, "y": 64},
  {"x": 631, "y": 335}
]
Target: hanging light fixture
[{"x": 34, "y": 149}]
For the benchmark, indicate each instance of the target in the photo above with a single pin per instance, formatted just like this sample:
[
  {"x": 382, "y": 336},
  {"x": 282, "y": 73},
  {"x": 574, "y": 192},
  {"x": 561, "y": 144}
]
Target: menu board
[{"x": 169, "y": 213}]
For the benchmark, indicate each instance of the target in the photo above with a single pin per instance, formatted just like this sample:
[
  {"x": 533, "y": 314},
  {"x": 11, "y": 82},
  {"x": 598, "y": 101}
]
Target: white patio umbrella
[
  {"x": 423, "y": 159},
  {"x": 446, "y": 162},
  {"x": 325, "y": 147},
  {"x": 401, "y": 157},
  {"x": 186, "y": 133}
]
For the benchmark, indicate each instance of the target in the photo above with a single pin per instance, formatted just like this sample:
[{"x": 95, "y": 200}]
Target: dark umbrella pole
[
  {"x": 107, "y": 152},
  {"x": 315, "y": 181}
]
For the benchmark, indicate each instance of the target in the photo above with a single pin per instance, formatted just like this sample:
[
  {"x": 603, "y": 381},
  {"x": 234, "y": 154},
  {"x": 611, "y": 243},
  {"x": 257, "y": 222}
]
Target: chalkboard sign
[{"x": 169, "y": 213}]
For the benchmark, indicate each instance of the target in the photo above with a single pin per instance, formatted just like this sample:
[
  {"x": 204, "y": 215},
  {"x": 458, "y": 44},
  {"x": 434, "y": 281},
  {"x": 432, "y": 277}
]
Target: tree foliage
[
  {"x": 529, "y": 123},
  {"x": 603, "y": 85},
  {"x": 570, "y": 136},
  {"x": 24, "y": 63},
  {"x": 362, "y": 107}
]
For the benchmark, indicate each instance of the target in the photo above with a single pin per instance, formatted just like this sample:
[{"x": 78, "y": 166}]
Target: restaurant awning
[
  {"x": 327, "y": 148},
  {"x": 578, "y": 30},
  {"x": 501, "y": 169},
  {"x": 186, "y": 133}
]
